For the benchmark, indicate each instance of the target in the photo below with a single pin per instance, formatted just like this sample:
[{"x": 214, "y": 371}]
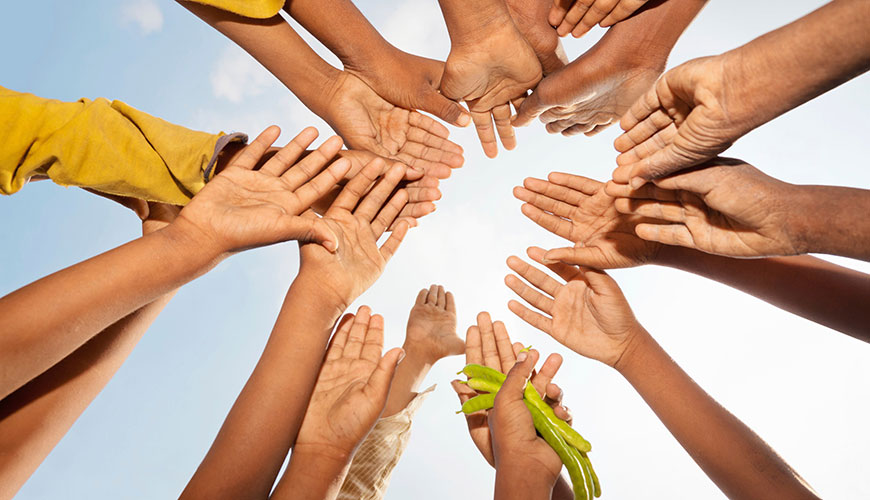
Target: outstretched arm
[{"x": 588, "y": 314}]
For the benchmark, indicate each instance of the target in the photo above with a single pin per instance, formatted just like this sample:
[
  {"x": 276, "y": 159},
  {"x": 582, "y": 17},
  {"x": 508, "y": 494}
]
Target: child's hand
[
  {"x": 357, "y": 225},
  {"x": 516, "y": 446},
  {"x": 488, "y": 344},
  {"x": 351, "y": 390},
  {"x": 588, "y": 314},
  {"x": 243, "y": 208},
  {"x": 577, "y": 209}
]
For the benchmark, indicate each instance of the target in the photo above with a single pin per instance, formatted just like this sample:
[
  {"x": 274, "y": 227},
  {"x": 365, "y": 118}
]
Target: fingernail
[
  {"x": 546, "y": 261},
  {"x": 330, "y": 245},
  {"x": 464, "y": 120},
  {"x": 401, "y": 356},
  {"x": 521, "y": 357},
  {"x": 637, "y": 182}
]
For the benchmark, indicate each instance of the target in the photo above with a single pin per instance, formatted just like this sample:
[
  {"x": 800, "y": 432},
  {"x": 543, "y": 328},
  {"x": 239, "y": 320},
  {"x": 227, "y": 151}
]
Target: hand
[
  {"x": 351, "y": 390},
  {"x": 587, "y": 314},
  {"x": 593, "y": 91},
  {"x": 357, "y": 225},
  {"x": 515, "y": 443},
  {"x": 579, "y": 210},
  {"x": 243, "y": 208},
  {"x": 530, "y": 17},
  {"x": 431, "y": 328},
  {"x": 368, "y": 122},
  {"x": 489, "y": 70},
  {"x": 488, "y": 344},
  {"x": 727, "y": 207},
  {"x": 688, "y": 117},
  {"x": 411, "y": 82},
  {"x": 577, "y": 17},
  {"x": 154, "y": 215}
]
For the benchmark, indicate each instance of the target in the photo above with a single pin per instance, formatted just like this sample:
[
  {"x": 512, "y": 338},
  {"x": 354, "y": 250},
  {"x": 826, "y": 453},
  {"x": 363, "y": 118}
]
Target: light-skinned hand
[
  {"x": 368, "y": 122},
  {"x": 488, "y": 344},
  {"x": 587, "y": 313},
  {"x": 358, "y": 217},
  {"x": 578, "y": 209},
  {"x": 431, "y": 330},
  {"x": 242, "y": 208},
  {"x": 351, "y": 390},
  {"x": 488, "y": 70},
  {"x": 724, "y": 207},
  {"x": 686, "y": 118},
  {"x": 577, "y": 17}
]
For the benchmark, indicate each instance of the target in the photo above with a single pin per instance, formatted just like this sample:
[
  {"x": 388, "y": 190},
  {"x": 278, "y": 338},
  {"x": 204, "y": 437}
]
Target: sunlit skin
[
  {"x": 577, "y": 17},
  {"x": 348, "y": 398},
  {"x": 253, "y": 442},
  {"x": 490, "y": 64},
  {"x": 580, "y": 210},
  {"x": 596, "y": 89},
  {"x": 487, "y": 343},
  {"x": 587, "y": 312},
  {"x": 698, "y": 109}
]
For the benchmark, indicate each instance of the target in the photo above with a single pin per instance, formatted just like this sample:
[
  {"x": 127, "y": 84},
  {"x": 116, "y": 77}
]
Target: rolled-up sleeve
[{"x": 258, "y": 9}]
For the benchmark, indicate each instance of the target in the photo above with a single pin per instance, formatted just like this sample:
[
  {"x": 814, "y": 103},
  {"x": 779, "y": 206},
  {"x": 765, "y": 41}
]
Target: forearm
[
  {"x": 802, "y": 60},
  {"x": 468, "y": 20},
  {"x": 357, "y": 44},
  {"x": 521, "y": 484},
  {"x": 34, "y": 418},
  {"x": 831, "y": 220},
  {"x": 812, "y": 288},
  {"x": 740, "y": 463},
  {"x": 562, "y": 490},
  {"x": 88, "y": 297},
  {"x": 409, "y": 374},
  {"x": 312, "y": 476},
  {"x": 263, "y": 423},
  {"x": 277, "y": 46}
]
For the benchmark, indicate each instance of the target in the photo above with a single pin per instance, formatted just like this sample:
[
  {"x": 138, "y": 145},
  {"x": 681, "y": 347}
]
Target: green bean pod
[
  {"x": 587, "y": 476},
  {"x": 563, "y": 449},
  {"x": 472, "y": 370},
  {"x": 595, "y": 484},
  {"x": 568, "y": 433},
  {"x": 477, "y": 403},
  {"x": 483, "y": 385}
]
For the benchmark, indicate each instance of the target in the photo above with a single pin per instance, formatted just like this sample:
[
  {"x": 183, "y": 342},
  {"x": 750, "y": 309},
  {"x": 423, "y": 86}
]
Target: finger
[
  {"x": 537, "y": 320},
  {"x": 642, "y": 108},
  {"x": 382, "y": 378},
  {"x": 439, "y": 148},
  {"x": 303, "y": 230},
  {"x": 442, "y": 107},
  {"x": 550, "y": 222},
  {"x": 564, "y": 271},
  {"x": 421, "y": 297},
  {"x": 533, "y": 297},
  {"x": 415, "y": 119},
  {"x": 668, "y": 234},
  {"x": 432, "y": 298},
  {"x": 411, "y": 212},
  {"x": 373, "y": 344},
  {"x": 289, "y": 154},
  {"x": 533, "y": 275},
  {"x": 502, "y": 117},
  {"x": 573, "y": 16},
  {"x": 553, "y": 394},
  {"x": 623, "y": 10},
  {"x": 659, "y": 141},
  {"x": 530, "y": 109},
  {"x": 664, "y": 211},
  {"x": 645, "y": 192},
  {"x": 658, "y": 120},
  {"x": 322, "y": 184},
  {"x": 442, "y": 297},
  {"x": 336, "y": 345},
  {"x": 515, "y": 382},
  {"x": 543, "y": 202},
  {"x": 451, "y": 302},
  {"x": 357, "y": 335},
  {"x": 473, "y": 346},
  {"x": 564, "y": 413},
  {"x": 596, "y": 12},
  {"x": 555, "y": 191},
  {"x": 250, "y": 156},
  {"x": 595, "y": 131},
  {"x": 308, "y": 166},
  {"x": 558, "y": 11},
  {"x": 373, "y": 202},
  {"x": 389, "y": 248},
  {"x": 357, "y": 187},
  {"x": 389, "y": 213},
  {"x": 503, "y": 344},
  {"x": 576, "y": 182},
  {"x": 546, "y": 373},
  {"x": 487, "y": 341},
  {"x": 462, "y": 391},
  {"x": 559, "y": 126},
  {"x": 485, "y": 132}
]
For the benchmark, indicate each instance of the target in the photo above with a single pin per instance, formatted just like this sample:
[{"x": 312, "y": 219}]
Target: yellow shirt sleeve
[
  {"x": 259, "y": 9},
  {"x": 106, "y": 146}
]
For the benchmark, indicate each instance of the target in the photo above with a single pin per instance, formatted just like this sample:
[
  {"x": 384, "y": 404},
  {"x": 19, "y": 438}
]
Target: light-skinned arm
[
  {"x": 698, "y": 109},
  {"x": 588, "y": 314},
  {"x": 580, "y": 210},
  {"x": 218, "y": 222},
  {"x": 262, "y": 425}
]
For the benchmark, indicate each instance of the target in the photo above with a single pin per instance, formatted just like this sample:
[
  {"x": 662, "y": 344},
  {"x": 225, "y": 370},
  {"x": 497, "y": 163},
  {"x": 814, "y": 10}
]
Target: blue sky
[{"x": 799, "y": 385}]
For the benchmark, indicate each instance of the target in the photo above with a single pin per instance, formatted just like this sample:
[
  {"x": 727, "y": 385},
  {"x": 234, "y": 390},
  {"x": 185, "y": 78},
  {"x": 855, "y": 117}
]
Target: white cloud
[
  {"x": 144, "y": 13},
  {"x": 237, "y": 75}
]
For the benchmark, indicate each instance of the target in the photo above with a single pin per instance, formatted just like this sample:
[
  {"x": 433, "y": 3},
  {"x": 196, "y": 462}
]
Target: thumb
[
  {"x": 449, "y": 111},
  {"x": 382, "y": 378},
  {"x": 515, "y": 383},
  {"x": 310, "y": 228},
  {"x": 528, "y": 111},
  {"x": 580, "y": 256}
]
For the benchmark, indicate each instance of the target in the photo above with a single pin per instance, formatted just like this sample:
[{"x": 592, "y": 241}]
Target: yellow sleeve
[
  {"x": 106, "y": 146},
  {"x": 259, "y": 9}
]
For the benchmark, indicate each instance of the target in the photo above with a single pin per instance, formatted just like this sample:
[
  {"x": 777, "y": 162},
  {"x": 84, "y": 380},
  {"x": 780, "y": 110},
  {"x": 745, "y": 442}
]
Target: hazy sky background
[{"x": 802, "y": 387}]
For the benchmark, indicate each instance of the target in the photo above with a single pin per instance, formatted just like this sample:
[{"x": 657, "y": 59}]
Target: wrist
[
  {"x": 636, "y": 347},
  {"x": 526, "y": 479},
  {"x": 320, "y": 301},
  {"x": 188, "y": 240},
  {"x": 477, "y": 24}
]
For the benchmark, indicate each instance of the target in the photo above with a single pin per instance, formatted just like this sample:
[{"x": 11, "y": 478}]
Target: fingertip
[{"x": 464, "y": 120}]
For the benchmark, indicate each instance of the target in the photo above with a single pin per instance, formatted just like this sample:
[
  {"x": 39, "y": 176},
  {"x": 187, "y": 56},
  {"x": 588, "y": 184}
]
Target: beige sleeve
[{"x": 377, "y": 456}]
